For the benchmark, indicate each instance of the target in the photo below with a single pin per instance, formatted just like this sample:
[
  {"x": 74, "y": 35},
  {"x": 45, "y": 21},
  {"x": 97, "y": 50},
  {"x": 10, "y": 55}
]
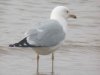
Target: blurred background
[{"x": 80, "y": 54}]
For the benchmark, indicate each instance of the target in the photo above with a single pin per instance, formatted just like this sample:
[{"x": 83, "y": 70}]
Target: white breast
[{"x": 45, "y": 50}]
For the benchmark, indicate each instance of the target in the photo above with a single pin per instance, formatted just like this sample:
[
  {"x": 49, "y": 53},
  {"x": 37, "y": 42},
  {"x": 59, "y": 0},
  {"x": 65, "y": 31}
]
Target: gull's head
[{"x": 61, "y": 12}]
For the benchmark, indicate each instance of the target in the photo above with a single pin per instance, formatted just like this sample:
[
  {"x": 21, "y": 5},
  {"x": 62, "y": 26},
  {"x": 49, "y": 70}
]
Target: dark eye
[{"x": 67, "y": 11}]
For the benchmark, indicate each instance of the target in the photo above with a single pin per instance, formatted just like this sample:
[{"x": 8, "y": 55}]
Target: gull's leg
[
  {"x": 37, "y": 63},
  {"x": 52, "y": 63}
]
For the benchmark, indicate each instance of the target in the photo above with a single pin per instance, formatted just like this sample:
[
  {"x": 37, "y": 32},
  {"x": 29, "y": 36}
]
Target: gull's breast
[{"x": 45, "y": 50}]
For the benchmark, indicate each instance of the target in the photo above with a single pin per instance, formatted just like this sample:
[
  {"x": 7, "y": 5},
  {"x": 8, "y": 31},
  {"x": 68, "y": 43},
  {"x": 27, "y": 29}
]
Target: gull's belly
[
  {"x": 45, "y": 50},
  {"x": 48, "y": 50}
]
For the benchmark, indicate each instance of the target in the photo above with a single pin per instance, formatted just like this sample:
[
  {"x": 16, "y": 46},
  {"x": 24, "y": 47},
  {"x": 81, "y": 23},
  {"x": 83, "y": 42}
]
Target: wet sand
[{"x": 80, "y": 54}]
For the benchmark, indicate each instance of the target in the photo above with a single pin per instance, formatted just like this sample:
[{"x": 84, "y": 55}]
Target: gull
[{"x": 47, "y": 36}]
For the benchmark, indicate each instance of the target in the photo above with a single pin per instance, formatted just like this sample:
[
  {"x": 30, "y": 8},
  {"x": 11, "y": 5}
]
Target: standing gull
[{"x": 47, "y": 36}]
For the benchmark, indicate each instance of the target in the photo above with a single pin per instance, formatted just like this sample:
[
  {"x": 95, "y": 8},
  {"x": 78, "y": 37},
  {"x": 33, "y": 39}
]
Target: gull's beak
[{"x": 72, "y": 16}]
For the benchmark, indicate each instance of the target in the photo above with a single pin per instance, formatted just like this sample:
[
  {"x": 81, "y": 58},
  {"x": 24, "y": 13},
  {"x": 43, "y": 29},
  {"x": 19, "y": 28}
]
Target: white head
[{"x": 61, "y": 12}]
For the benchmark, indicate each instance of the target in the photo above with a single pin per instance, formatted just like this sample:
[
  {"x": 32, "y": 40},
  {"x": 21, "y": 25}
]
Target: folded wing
[{"x": 48, "y": 33}]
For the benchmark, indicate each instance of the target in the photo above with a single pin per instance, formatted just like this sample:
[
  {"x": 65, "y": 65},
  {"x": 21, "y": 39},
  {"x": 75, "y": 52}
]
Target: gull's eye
[{"x": 67, "y": 11}]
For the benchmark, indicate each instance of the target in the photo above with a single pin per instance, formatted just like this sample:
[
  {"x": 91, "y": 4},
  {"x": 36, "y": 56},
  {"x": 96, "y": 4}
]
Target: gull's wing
[{"x": 48, "y": 33}]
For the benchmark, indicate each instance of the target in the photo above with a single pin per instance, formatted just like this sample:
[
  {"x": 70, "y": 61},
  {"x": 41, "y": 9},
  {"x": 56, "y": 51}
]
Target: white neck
[{"x": 62, "y": 21}]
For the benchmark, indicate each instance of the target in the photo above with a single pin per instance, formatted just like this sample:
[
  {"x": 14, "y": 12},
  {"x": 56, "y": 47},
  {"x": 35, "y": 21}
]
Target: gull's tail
[{"x": 22, "y": 43}]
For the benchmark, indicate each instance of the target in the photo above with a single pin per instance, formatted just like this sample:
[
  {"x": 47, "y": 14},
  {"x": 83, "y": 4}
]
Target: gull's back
[{"x": 46, "y": 34}]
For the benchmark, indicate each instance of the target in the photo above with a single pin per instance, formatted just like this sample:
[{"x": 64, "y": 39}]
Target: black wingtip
[
  {"x": 22, "y": 43},
  {"x": 14, "y": 45},
  {"x": 11, "y": 45}
]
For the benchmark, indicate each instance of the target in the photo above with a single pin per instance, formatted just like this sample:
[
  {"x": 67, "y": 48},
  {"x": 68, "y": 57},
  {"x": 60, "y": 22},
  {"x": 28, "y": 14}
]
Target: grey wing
[{"x": 49, "y": 33}]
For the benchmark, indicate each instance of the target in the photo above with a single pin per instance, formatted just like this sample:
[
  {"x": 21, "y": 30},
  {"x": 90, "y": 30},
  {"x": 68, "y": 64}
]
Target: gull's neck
[{"x": 62, "y": 21}]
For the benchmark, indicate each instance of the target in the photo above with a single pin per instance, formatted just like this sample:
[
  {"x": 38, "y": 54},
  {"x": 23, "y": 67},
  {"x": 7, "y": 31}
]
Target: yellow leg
[
  {"x": 37, "y": 63},
  {"x": 52, "y": 63}
]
